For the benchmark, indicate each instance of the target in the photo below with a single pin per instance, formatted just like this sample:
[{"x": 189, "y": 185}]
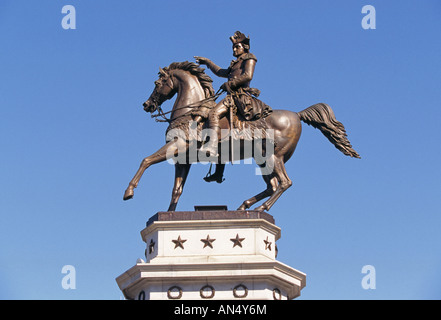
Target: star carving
[
  {"x": 179, "y": 242},
  {"x": 237, "y": 241},
  {"x": 267, "y": 244},
  {"x": 208, "y": 242}
]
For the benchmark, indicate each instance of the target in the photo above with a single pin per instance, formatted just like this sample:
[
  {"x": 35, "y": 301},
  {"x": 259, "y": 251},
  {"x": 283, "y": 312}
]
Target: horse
[{"x": 193, "y": 87}]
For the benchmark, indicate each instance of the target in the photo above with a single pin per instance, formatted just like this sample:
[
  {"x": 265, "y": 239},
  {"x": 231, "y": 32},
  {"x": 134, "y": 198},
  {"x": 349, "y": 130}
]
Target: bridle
[{"x": 162, "y": 114}]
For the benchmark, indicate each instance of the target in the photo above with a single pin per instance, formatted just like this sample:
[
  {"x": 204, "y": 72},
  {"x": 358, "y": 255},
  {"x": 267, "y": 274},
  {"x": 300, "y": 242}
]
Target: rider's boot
[
  {"x": 211, "y": 147},
  {"x": 218, "y": 174}
]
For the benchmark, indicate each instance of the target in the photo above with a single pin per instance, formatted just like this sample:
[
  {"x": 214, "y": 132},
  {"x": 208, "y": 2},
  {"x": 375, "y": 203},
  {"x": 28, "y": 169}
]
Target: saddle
[
  {"x": 246, "y": 102},
  {"x": 245, "y": 121}
]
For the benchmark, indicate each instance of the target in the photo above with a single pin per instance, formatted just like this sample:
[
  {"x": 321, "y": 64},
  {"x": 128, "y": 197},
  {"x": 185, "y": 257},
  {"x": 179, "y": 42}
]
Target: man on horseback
[
  {"x": 194, "y": 102},
  {"x": 239, "y": 94}
]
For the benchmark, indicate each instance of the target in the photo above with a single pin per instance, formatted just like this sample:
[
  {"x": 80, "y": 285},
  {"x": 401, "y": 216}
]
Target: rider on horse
[
  {"x": 239, "y": 94},
  {"x": 194, "y": 102}
]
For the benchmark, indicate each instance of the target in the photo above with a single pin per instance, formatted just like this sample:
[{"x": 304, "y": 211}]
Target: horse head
[
  {"x": 186, "y": 76},
  {"x": 164, "y": 90}
]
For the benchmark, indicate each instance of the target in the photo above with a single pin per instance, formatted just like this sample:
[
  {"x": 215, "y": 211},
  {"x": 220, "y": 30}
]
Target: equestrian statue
[{"x": 237, "y": 127}]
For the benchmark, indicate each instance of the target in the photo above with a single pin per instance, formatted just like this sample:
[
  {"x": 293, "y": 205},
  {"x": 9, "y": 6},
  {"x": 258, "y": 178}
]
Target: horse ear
[{"x": 162, "y": 72}]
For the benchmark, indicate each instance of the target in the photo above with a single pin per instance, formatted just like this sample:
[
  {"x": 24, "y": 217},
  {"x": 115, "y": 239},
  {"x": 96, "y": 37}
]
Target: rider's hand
[
  {"x": 226, "y": 87},
  {"x": 201, "y": 60}
]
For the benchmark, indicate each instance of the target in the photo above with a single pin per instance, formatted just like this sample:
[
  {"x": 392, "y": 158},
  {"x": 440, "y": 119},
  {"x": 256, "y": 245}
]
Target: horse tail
[{"x": 321, "y": 116}]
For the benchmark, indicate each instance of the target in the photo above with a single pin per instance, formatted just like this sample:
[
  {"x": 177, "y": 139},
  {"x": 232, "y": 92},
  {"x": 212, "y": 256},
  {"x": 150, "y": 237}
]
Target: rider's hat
[{"x": 239, "y": 37}]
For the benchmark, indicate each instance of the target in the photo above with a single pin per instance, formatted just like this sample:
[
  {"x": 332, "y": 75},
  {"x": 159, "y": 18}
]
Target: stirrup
[{"x": 210, "y": 177}]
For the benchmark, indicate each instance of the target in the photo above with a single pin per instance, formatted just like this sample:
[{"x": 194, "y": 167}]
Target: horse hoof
[
  {"x": 245, "y": 205},
  {"x": 261, "y": 208},
  {"x": 128, "y": 194}
]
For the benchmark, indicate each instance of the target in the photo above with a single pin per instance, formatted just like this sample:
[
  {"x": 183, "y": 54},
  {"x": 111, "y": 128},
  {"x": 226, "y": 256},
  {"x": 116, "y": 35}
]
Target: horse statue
[{"x": 281, "y": 131}]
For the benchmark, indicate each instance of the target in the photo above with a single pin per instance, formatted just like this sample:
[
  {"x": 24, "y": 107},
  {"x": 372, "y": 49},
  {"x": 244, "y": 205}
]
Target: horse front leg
[
  {"x": 167, "y": 151},
  {"x": 181, "y": 173}
]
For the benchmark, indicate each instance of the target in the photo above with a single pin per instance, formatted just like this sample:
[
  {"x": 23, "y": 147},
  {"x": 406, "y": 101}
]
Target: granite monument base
[{"x": 211, "y": 253}]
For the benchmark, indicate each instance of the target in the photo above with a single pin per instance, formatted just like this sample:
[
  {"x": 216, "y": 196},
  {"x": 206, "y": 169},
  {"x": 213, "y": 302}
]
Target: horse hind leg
[
  {"x": 271, "y": 183},
  {"x": 271, "y": 187},
  {"x": 284, "y": 182}
]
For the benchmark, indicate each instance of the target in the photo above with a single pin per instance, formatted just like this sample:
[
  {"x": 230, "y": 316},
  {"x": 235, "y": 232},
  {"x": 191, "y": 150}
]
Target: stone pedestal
[{"x": 219, "y": 254}]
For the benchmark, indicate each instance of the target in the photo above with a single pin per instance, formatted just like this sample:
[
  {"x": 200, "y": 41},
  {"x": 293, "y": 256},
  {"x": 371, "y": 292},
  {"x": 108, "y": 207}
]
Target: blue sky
[{"x": 73, "y": 132}]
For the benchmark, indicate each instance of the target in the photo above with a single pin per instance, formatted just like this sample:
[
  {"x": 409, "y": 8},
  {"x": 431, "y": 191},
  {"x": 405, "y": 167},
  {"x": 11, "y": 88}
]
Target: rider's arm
[
  {"x": 213, "y": 67},
  {"x": 223, "y": 73}
]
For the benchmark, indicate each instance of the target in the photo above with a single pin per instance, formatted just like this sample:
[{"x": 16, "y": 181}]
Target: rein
[{"x": 162, "y": 114}]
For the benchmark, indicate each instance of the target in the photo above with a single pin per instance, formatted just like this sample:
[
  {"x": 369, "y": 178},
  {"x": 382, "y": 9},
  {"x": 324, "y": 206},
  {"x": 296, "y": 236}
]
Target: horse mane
[{"x": 194, "y": 69}]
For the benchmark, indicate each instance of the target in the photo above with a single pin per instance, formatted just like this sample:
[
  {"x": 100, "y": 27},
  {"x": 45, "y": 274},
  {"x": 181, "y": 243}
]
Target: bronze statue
[{"x": 274, "y": 133}]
